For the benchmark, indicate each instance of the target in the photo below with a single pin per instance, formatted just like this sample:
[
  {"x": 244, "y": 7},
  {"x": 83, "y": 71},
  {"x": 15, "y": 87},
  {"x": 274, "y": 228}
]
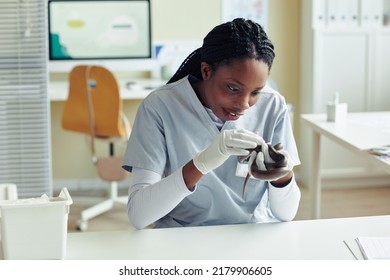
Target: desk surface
[
  {"x": 299, "y": 240},
  {"x": 309, "y": 239},
  {"x": 360, "y": 131},
  {"x": 129, "y": 89}
]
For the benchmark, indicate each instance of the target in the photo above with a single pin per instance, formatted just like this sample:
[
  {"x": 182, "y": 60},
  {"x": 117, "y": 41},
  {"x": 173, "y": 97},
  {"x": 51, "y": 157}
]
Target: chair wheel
[{"x": 82, "y": 225}]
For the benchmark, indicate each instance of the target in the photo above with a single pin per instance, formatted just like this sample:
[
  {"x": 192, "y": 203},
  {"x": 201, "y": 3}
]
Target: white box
[
  {"x": 35, "y": 228},
  {"x": 337, "y": 112}
]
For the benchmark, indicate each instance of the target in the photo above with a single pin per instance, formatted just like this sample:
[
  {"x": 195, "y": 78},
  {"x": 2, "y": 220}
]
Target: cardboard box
[{"x": 35, "y": 228}]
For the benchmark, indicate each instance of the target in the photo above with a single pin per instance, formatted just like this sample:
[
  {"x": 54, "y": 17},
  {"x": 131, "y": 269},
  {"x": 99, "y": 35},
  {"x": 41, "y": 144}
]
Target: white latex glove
[
  {"x": 229, "y": 142},
  {"x": 267, "y": 170}
]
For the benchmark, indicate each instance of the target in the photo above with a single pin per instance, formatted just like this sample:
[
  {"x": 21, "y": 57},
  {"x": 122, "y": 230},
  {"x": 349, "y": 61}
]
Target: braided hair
[{"x": 237, "y": 39}]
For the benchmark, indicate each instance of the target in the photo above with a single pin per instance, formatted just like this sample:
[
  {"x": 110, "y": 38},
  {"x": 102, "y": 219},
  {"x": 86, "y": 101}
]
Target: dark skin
[{"x": 228, "y": 92}]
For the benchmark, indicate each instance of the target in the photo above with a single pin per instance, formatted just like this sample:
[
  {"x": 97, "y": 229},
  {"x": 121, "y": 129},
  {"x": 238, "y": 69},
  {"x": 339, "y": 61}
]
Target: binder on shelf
[
  {"x": 386, "y": 13},
  {"x": 371, "y": 13},
  {"x": 319, "y": 13},
  {"x": 342, "y": 13},
  {"x": 353, "y": 13},
  {"x": 333, "y": 16}
]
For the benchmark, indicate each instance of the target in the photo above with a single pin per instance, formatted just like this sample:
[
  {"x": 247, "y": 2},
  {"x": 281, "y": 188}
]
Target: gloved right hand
[{"x": 229, "y": 142}]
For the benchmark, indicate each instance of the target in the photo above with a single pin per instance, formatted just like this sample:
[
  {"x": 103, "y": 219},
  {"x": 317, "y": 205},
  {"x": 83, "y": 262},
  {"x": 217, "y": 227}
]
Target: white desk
[
  {"x": 358, "y": 133},
  {"x": 311, "y": 239},
  {"x": 300, "y": 240},
  {"x": 58, "y": 90}
]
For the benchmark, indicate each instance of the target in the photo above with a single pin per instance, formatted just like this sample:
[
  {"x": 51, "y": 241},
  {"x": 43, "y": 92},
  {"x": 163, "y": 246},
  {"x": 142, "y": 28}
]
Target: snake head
[{"x": 276, "y": 155}]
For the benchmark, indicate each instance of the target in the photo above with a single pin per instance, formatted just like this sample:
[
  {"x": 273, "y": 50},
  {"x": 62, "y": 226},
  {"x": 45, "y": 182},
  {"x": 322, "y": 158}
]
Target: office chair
[{"x": 94, "y": 107}]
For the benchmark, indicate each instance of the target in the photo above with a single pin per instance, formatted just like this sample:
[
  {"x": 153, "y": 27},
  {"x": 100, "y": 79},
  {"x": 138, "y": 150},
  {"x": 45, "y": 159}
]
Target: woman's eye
[
  {"x": 232, "y": 88},
  {"x": 255, "y": 93}
]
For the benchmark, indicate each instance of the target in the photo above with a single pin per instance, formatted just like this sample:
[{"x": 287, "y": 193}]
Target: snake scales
[{"x": 274, "y": 169}]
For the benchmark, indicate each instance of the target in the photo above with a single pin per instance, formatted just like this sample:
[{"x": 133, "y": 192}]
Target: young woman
[{"x": 184, "y": 147}]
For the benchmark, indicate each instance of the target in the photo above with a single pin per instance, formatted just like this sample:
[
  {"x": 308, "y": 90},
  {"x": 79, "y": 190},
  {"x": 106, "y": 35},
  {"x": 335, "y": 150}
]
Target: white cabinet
[
  {"x": 381, "y": 79},
  {"x": 345, "y": 47}
]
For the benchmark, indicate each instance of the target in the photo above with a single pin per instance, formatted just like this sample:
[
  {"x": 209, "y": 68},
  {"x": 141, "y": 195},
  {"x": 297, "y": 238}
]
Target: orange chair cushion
[{"x": 106, "y": 103}]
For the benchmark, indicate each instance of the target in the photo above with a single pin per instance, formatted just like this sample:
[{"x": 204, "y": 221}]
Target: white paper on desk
[
  {"x": 380, "y": 151},
  {"x": 374, "y": 248}
]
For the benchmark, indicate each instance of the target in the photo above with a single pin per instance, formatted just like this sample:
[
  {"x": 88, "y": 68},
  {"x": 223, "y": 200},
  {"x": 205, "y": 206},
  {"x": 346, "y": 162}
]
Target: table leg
[{"x": 315, "y": 184}]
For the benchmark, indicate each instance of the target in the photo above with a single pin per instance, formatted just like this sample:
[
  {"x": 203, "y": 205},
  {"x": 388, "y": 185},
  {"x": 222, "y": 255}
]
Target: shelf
[
  {"x": 132, "y": 89},
  {"x": 350, "y": 14}
]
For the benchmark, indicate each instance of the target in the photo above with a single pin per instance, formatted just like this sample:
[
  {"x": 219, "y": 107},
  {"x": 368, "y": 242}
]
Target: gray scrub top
[{"x": 172, "y": 125}]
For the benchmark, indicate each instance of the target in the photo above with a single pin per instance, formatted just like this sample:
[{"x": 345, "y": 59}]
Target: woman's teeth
[{"x": 236, "y": 114}]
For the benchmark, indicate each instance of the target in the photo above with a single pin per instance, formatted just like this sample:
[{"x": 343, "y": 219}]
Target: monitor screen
[{"x": 99, "y": 30}]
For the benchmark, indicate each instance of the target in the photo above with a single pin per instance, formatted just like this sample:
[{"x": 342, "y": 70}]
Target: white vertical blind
[{"x": 25, "y": 152}]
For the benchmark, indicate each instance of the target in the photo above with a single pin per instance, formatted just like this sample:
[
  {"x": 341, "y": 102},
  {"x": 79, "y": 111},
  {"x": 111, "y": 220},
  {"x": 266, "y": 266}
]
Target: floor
[{"x": 335, "y": 203}]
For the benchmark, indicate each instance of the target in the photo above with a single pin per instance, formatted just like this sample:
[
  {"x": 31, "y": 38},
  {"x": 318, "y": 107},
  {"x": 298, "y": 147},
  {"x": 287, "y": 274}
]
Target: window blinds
[{"x": 25, "y": 152}]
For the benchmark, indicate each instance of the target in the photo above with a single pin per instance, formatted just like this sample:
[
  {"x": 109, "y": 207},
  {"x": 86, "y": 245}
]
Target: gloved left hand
[
  {"x": 229, "y": 142},
  {"x": 270, "y": 163}
]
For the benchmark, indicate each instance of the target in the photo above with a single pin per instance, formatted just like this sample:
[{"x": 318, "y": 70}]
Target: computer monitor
[{"x": 116, "y": 34}]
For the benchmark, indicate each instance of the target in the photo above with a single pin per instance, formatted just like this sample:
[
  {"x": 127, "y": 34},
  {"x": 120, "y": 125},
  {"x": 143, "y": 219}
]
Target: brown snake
[{"x": 273, "y": 169}]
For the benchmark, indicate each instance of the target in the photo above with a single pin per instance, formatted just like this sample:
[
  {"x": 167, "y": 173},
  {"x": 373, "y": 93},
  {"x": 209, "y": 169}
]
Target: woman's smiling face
[{"x": 232, "y": 88}]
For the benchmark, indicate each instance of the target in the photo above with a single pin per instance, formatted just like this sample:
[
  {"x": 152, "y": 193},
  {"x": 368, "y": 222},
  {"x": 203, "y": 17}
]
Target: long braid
[
  {"x": 191, "y": 65},
  {"x": 237, "y": 39}
]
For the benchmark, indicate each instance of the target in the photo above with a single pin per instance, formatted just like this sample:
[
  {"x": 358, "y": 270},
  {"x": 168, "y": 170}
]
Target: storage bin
[
  {"x": 35, "y": 228},
  {"x": 7, "y": 191}
]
